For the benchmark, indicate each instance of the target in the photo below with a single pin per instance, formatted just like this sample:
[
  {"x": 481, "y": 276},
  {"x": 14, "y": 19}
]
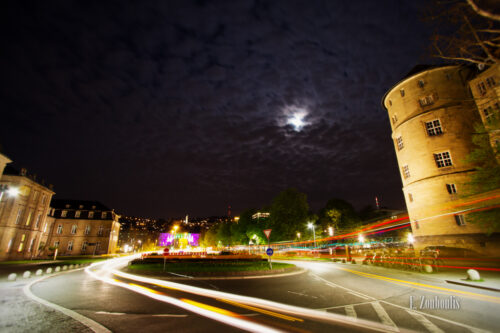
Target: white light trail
[{"x": 111, "y": 265}]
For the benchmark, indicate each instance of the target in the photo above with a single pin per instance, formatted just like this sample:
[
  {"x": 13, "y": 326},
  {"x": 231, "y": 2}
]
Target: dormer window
[
  {"x": 91, "y": 215},
  {"x": 64, "y": 213},
  {"x": 93, "y": 207},
  {"x": 77, "y": 213},
  {"x": 68, "y": 206},
  {"x": 104, "y": 215},
  {"x": 80, "y": 207}
]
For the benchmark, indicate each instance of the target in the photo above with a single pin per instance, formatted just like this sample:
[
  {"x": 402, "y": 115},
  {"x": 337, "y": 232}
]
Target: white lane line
[
  {"x": 349, "y": 310},
  {"x": 358, "y": 295},
  {"x": 93, "y": 325},
  {"x": 334, "y": 285},
  {"x": 425, "y": 322},
  {"x": 384, "y": 317},
  {"x": 470, "y": 328},
  {"x": 305, "y": 295}
]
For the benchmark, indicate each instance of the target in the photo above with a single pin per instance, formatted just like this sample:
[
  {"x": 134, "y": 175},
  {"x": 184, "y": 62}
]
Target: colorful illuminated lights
[{"x": 168, "y": 239}]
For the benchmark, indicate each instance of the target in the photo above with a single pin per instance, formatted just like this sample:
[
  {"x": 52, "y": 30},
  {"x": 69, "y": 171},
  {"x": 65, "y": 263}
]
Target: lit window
[
  {"x": 104, "y": 215},
  {"x": 434, "y": 127},
  {"x": 56, "y": 244},
  {"x": 406, "y": 171},
  {"x": 59, "y": 229},
  {"x": 410, "y": 197},
  {"x": 28, "y": 220},
  {"x": 101, "y": 229},
  {"x": 45, "y": 227},
  {"x": 87, "y": 230},
  {"x": 84, "y": 245},
  {"x": 9, "y": 246},
  {"x": 73, "y": 229},
  {"x": 443, "y": 159},
  {"x": 81, "y": 206},
  {"x": 402, "y": 91},
  {"x": 68, "y": 205},
  {"x": 91, "y": 215},
  {"x": 451, "y": 188},
  {"x": 70, "y": 245},
  {"x": 37, "y": 222},
  {"x": 21, "y": 244},
  {"x": 31, "y": 244},
  {"x": 460, "y": 220},
  {"x": 77, "y": 213},
  {"x": 400, "y": 142},
  {"x": 19, "y": 214},
  {"x": 64, "y": 213}
]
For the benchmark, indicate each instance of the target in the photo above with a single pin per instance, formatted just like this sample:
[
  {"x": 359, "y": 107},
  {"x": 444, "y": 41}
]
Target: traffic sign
[
  {"x": 165, "y": 251},
  {"x": 267, "y": 232},
  {"x": 269, "y": 251}
]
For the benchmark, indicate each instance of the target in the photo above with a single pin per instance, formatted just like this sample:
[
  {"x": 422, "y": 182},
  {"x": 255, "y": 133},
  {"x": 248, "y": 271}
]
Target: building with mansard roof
[{"x": 83, "y": 227}]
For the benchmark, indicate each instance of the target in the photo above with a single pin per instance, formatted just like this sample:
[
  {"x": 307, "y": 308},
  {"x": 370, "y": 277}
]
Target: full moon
[{"x": 296, "y": 118}]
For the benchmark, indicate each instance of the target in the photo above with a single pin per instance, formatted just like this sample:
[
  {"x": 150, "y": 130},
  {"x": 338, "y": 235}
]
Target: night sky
[{"x": 167, "y": 108}]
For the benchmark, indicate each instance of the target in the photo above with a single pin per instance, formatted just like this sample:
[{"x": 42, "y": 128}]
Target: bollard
[
  {"x": 65, "y": 267},
  {"x": 38, "y": 272},
  {"x": 57, "y": 269},
  {"x": 353, "y": 261},
  {"x": 12, "y": 277},
  {"x": 71, "y": 266},
  {"x": 343, "y": 261},
  {"x": 428, "y": 268},
  {"x": 473, "y": 275},
  {"x": 26, "y": 275},
  {"x": 49, "y": 270}
]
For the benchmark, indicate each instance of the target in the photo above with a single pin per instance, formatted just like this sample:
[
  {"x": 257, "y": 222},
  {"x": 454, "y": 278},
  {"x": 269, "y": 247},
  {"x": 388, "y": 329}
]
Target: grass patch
[
  {"x": 208, "y": 267},
  {"x": 469, "y": 280},
  {"x": 59, "y": 261}
]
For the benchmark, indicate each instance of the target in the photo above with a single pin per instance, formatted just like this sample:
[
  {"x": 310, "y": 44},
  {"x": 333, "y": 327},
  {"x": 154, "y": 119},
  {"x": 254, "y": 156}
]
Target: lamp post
[{"x": 311, "y": 226}]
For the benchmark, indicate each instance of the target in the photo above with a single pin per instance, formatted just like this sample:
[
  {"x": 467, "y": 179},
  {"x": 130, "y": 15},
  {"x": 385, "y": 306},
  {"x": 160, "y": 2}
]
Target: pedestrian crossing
[{"x": 400, "y": 318}]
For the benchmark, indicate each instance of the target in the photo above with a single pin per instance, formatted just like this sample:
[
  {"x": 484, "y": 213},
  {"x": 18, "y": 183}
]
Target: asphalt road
[{"x": 327, "y": 297}]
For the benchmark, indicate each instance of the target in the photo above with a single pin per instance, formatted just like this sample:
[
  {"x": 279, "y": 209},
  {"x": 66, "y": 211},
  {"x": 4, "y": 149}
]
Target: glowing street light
[
  {"x": 330, "y": 231},
  {"x": 410, "y": 238},
  {"x": 298, "y": 235},
  {"x": 310, "y": 225},
  {"x": 361, "y": 239}
]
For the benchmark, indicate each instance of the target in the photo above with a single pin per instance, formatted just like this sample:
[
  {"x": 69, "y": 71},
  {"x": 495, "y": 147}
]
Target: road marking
[
  {"x": 425, "y": 322},
  {"x": 349, "y": 310},
  {"x": 93, "y": 325},
  {"x": 358, "y": 295},
  {"x": 334, "y": 285},
  {"x": 384, "y": 317},
  {"x": 305, "y": 295},
  {"x": 428, "y": 286},
  {"x": 171, "y": 315},
  {"x": 471, "y": 328}
]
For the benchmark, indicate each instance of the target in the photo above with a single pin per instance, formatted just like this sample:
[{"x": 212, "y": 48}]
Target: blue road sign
[{"x": 269, "y": 251}]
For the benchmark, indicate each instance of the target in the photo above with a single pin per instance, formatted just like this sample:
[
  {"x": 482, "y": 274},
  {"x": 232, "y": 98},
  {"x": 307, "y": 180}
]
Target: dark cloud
[{"x": 172, "y": 107}]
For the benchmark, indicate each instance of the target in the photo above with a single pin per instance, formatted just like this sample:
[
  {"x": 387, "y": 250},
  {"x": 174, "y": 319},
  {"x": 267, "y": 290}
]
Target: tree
[
  {"x": 289, "y": 213},
  {"x": 338, "y": 214},
  {"x": 465, "y": 32},
  {"x": 485, "y": 157}
]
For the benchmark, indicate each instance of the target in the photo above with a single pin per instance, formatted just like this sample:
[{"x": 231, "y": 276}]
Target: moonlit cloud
[{"x": 166, "y": 108}]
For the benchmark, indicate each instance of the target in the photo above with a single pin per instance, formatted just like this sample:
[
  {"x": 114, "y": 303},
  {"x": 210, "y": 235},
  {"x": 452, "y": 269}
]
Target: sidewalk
[
  {"x": 491, "y": 280},
  {"x": 18, "y": 313}
]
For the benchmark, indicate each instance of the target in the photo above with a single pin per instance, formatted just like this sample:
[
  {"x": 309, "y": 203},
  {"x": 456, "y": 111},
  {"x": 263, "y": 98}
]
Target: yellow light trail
[{"x": 270, "y": 313}]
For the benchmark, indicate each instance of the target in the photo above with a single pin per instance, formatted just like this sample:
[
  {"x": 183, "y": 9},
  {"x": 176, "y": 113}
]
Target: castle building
[
  {"x": 24, "y": 205},
  {"x": 432, "y": 113},
  {"x": 83, "y": 227}
]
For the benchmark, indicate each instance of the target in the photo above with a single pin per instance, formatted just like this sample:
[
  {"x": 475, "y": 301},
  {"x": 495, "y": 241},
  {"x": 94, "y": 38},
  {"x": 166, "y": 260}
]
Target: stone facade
[
  {"x": 432, "y": 115},
  {"x": 24, "y": 227},
  {"x": 83, "y": 227}
]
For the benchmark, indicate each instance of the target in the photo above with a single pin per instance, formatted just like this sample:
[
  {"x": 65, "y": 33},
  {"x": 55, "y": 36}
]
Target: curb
[{"x": 472, "y": 285}]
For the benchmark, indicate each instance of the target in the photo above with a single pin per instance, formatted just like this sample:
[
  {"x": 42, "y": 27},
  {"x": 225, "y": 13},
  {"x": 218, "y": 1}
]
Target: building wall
[
  {"x": 102, "y": 237},
  {"x": 23, "y": 218},
  {"x": 432, "y": 114}
]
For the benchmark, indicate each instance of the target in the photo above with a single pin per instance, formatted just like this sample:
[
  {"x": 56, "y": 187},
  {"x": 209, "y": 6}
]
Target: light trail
[{"x": 111, "y": 266}]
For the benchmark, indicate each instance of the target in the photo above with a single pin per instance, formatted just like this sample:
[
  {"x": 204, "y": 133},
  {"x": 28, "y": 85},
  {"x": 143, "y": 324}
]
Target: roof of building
[
  {"x": 11, "y": 171},
  {"x": 77, "y": 204}
]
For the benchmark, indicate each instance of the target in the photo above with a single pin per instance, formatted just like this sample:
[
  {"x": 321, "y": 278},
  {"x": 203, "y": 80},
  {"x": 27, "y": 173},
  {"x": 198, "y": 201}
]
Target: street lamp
[
  {"x": 311, "y": 226},
  {"x": 361, "y": 239},
  {"x": 330, "y": 231},
  {"x": 410, "y": 238}
]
